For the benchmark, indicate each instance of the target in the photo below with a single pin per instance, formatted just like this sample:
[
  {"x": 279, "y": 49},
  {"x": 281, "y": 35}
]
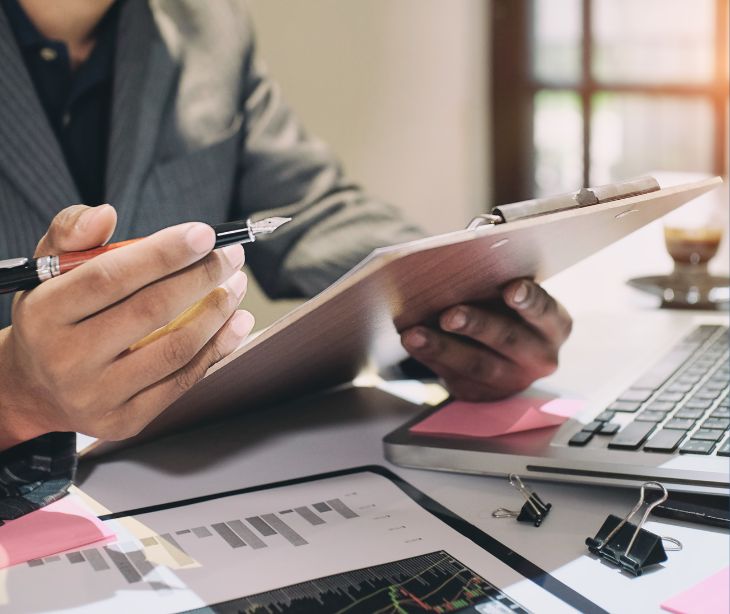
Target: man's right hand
[{"x": 79, "y": 355}]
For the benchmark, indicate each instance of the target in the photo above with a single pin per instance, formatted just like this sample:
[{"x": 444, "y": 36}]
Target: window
[{"x": 592, "y": 91}]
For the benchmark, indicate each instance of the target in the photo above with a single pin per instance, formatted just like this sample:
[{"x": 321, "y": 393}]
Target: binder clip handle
[
  {"x": 637, "y": 507},
  {"x": 534, "y": 509},
  {"x": 630, "y": 546}
]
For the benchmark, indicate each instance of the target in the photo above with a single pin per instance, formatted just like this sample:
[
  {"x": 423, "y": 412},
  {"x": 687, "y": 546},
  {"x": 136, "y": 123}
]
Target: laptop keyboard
[{"x": 679, "y": 405}]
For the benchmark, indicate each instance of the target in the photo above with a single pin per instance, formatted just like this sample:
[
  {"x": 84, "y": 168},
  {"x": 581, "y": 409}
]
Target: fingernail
[
  {"x": 241, "y": 323},
  {"x": 456, "y": 319},
  {"x": 416, "y": 339},
  {"x": 234, "y": 254},
  {"x": 520, "y": 295},
  {"x": 200, "y": 238},
  {"x": 84, "y": 220},
  {"x": 236, "y": 284}
]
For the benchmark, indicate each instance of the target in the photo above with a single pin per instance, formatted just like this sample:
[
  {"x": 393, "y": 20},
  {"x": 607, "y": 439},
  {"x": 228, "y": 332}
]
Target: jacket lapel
[
  {"x": 143, "y": 73},
  {"x": 30, "y": 156}
]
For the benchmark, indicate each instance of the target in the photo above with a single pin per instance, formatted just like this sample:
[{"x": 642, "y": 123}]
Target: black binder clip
[
  {"x": 629, "y": 546},
  {"x": 535, "y": 510}
]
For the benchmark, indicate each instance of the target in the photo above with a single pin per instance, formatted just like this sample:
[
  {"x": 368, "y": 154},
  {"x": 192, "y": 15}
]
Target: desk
[{"x": 296, "y": 441}]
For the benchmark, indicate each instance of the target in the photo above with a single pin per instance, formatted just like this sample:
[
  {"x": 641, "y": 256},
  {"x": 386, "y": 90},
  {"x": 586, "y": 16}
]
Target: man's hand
[
  {"x": 80, "y": 355},
  {"x": 486, "y": 354}
]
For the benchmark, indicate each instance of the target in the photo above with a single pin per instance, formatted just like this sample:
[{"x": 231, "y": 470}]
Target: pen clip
[{"x": 13, "y": 263}]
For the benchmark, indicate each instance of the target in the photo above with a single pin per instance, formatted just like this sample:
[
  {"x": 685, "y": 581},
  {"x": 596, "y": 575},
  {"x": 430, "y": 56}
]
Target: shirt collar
[
  {"x": 28, "y": 35},
  {"x": 25, "y": 31}
]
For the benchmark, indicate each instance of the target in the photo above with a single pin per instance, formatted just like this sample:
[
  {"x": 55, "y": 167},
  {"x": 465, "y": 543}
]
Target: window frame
[{"x": 513, "y": 89}]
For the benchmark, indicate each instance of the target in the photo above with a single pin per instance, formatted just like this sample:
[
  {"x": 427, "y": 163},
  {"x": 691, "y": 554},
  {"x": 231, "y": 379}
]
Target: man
[{"x": 161, "y": 108}]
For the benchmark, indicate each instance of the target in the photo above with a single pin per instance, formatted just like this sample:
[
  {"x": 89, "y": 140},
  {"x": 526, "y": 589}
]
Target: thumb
[{"x": 77, "y": 228}]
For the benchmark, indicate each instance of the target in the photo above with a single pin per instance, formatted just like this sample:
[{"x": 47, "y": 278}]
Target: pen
[{"x": 26, "y": 273}]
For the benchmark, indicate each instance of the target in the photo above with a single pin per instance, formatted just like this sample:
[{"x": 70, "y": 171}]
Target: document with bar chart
[{"x": 353, "y": 543}]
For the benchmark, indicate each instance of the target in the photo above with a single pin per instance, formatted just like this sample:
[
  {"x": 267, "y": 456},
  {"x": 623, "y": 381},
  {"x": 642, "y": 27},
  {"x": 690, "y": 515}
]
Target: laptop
[{"x": 668, "y": 422}]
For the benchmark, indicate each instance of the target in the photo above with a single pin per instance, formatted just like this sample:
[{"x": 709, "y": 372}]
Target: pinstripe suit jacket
[{"x": 198, "y": 132}]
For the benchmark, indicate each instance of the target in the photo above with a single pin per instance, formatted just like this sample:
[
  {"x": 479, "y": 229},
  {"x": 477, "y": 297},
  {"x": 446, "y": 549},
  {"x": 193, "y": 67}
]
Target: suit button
[{"x": 48, "y": 54}]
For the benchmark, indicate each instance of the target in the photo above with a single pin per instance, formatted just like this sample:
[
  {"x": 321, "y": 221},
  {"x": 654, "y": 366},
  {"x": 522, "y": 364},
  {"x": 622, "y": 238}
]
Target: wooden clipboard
[{"x": 353, "y": 325}]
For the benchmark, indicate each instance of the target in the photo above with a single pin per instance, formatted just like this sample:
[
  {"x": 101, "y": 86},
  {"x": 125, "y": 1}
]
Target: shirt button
[
  {"x": 48, "y": 54},
  {"x": 66, "y": 119}
]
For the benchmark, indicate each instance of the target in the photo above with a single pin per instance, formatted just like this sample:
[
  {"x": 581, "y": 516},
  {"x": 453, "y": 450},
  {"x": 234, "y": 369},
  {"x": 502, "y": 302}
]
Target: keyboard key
[
  {"x": 724, "y": 449},
  {"x": 721, "y": 412},
  {"x": 701, "y": 333},
  {"x": 631, "y": 437},
  {"x": 609, "y": 428},
  {"x": 665, "y": 440},
  {"x": 624, "y": 406},
  {"x": 716, "y": 423},
  {"x": 665, "y": 368},
  {"x": 708, "y": 435},
  {"x": 696, "y": 371},
  {"x": 682, "y": 424},
  {"x": 715, "y": 384},
  {"x": 709, "y": 395},
  {"x": 692, "y": 414},
  {"x": 679, "y": 387},
  {"x": 661, "y": 405},
  {"x": 695, "y": 446},
  {"x": 592, "y": 427},
  {"x": 651, "y": 416},
  {"x": 635, "y": 394},
  {"x": 670, "y": 396},
  {"x": 605, "y": 416},
  {"x": 581, "y": 438},
  {"x": 695, "y": 403}
]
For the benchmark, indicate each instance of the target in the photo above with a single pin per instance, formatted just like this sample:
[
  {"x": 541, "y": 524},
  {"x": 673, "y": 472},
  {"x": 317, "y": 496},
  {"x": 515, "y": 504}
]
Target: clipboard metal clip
[
  {"x": 585, "y": 197},
  {"x": 484, "y": 219},
  {"x": 629, "y": 546}
]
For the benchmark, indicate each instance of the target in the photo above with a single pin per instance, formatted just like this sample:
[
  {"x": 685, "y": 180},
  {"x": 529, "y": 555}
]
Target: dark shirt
[{"x": 77, "y": 103}]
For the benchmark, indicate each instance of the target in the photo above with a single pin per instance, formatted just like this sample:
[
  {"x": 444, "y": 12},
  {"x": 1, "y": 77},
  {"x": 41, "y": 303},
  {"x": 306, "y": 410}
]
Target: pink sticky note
[
  {"x": 711, "y": 596},
  {"x": 513, "y": 415},
  {"x": 60, "y": 526}
]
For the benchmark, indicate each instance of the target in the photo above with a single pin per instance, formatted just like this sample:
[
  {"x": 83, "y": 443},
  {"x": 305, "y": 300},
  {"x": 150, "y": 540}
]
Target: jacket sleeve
[
  {"x": 36, "y": 473},
  {"x": 285, "y": 171}
]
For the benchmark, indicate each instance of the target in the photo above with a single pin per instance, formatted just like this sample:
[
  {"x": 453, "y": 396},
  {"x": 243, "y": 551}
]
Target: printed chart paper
[{"x": 353, "y": 543}]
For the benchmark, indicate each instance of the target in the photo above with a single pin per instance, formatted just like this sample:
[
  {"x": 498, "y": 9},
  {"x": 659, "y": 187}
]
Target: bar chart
[{"x": 134, "y": 563}]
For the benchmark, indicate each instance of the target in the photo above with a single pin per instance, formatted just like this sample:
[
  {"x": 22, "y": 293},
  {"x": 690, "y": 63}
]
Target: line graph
[{"x": 434, "y": 583}]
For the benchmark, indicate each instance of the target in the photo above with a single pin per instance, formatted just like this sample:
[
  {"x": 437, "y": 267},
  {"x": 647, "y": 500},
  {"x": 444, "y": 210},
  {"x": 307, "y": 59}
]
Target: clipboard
[{"x": 353, "y": 325}]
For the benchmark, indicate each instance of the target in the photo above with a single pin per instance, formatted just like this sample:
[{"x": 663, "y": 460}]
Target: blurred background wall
[{"x": 399, "y": 89}]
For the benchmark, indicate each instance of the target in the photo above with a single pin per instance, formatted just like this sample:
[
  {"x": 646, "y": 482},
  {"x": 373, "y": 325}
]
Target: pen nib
[{"x": 268, "y": 225}]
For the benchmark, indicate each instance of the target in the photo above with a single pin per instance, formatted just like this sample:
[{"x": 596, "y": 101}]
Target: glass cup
[{"x": 693, "y": 235}]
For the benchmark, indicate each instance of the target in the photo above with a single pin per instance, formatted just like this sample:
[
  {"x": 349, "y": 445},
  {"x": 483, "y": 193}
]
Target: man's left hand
[{"x": 484, "y": 354}]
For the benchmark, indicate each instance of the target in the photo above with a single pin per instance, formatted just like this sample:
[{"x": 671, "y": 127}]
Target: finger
[
  {"x": 77, "y": 228},
  {"x": 155, "y": 305},
  {"x": 115, "y": 275},
  {"x": 172, "y": 347},
  {"x": 451, "y": 357},
  {"x": 146, "y": 405},
  {"x": 539, "y": 309},
  {"x": 503, "y": 334}
]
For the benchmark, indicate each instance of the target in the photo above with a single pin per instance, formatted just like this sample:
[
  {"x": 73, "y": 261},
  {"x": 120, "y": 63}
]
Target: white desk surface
[{"x": 612, "y": 323}]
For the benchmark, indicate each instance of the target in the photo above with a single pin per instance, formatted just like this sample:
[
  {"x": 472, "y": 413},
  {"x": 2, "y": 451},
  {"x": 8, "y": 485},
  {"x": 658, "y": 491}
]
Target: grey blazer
[{"x": 199, "y": 131}]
